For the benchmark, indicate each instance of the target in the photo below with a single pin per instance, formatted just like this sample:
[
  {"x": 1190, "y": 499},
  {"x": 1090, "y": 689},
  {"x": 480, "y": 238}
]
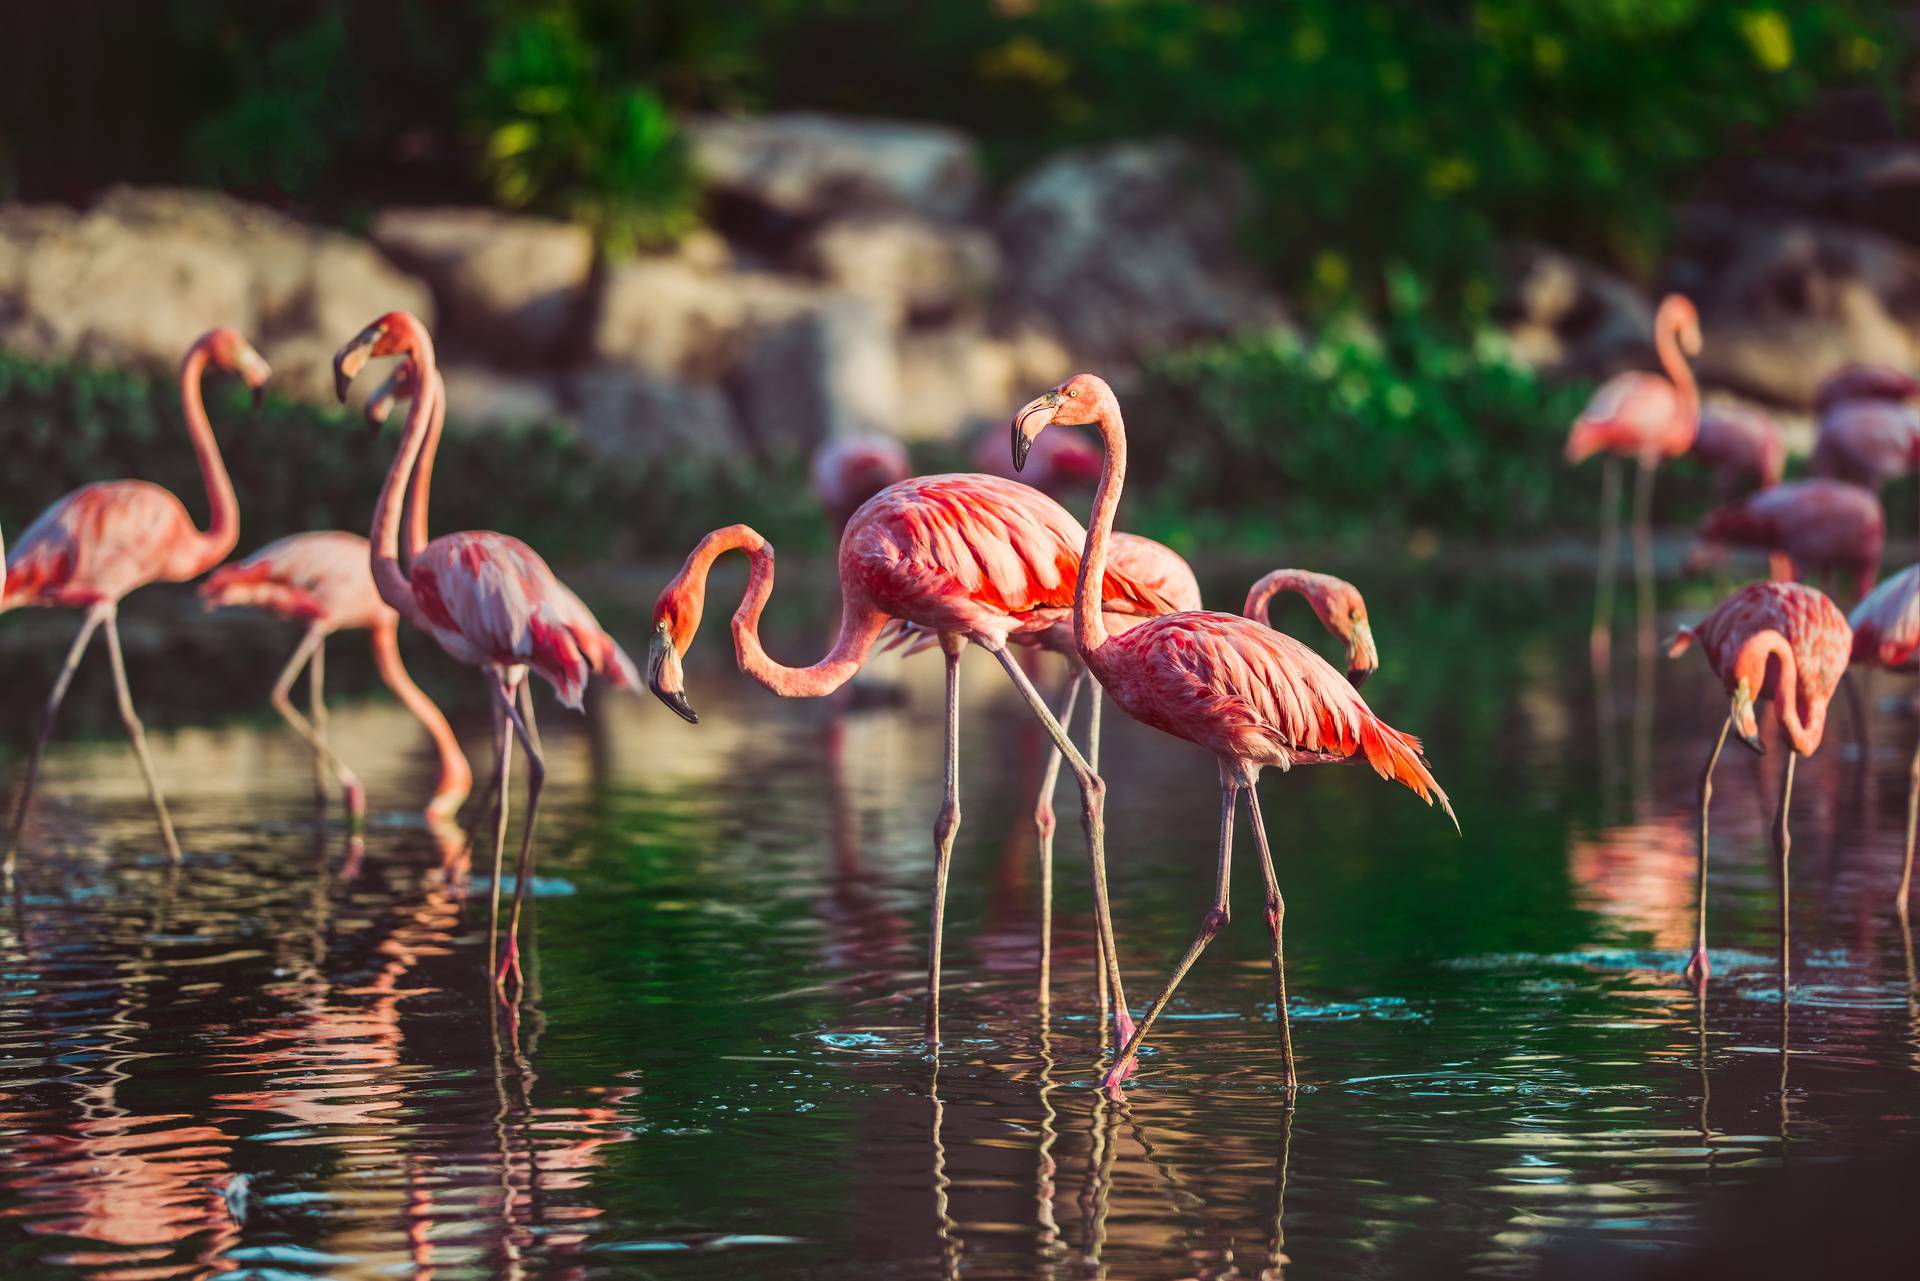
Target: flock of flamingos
[{"x": 980, "y": 557}]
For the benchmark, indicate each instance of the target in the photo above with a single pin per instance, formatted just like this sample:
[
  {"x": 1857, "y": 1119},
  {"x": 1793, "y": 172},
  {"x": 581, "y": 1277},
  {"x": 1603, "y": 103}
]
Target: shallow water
[{"x": 279, "y": 1061}]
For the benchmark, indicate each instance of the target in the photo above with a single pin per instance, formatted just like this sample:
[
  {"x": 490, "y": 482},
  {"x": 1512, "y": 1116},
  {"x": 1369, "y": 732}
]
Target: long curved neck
[
  {"x": 860, "y": 624},
  {"x": 1666, "y": 341},
  {"x": 456, "y": 776},
  {"x": 223, "y": 521},
  {"x": 388, "y": 576},
  {"x": 1280, "y": 580},
  {"x": 415, "y": 520},
  {"x": 1752, "y": 663},
  {"x": 1089, "y": 623}
]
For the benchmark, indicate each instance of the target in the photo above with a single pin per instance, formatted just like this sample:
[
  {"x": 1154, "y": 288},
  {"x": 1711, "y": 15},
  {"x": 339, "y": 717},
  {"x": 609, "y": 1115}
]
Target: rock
[
  {"x": 139, "y": 276},
  {"x": 1125, "y": 248},
  {"x": 679, "y": 319},
  {"x": 830, "y": 370},
  {"x": 629, "y": 413},
  {"x": 808, "y": 167},
  {"x": 1785, "y": 304},
  {"x": 915, "y": 270},
  {"x": 478, "y": 397},
  {"x": 1561, "y": 313},
  {"x": 956, "y": 379},
  {"x": 510, "y": 286}
]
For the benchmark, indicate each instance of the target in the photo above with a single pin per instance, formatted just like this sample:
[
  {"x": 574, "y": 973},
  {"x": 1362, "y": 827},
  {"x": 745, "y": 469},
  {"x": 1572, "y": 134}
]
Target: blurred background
[{"x": 1354, "y": 264}]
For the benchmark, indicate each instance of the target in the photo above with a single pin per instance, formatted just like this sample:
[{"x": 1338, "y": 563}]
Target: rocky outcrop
[
  {"x": 509, "y": 286},
  {"x": 136, "y": 278},
  {"x": 1561, "y": 313},
  {"x": 811, "y": 167},
  {"x": 1124, "y": 249}
]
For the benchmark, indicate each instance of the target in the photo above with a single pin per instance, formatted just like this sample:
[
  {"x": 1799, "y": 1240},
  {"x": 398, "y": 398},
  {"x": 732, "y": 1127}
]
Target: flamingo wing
[
  {"x": 1886, "y": 623},
  {"x": 321, "y": 575},
  {"x": 98, "y": 543}
]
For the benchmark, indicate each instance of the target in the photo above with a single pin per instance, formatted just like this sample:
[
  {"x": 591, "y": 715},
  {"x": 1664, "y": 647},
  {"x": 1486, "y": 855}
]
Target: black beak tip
[
  {"x": 1759, "y": 748},
  {"x": 259, "y": 400},
  {"x": 1357, "y": 676},
  {"x": 1021, "y": 444},
  {"x": 676, "y": 700},
  {"x": 342, "y": 381}
]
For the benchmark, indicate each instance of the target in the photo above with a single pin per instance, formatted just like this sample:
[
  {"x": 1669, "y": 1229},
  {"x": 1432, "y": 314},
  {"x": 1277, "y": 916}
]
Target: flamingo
[
  {"x": 969, "y": 558},
  {"x": 1736, "y": 443},
  {"x": 1644, "y": 417},
  {"x": 103, "y": 540},
  {"x": 1886, "y": 633},
  {"x": 1807, "y": 525},
  {"x": 1787, "y": 642},
  {"x": 322, "y": 579},
  {"x": 488, "y": 599},
  {"x": 1336, "y": 603},
  {"x": 1864, "y": 381},
  {"x": 848, "y": 470},
  {"x": 1253, "y": 696}
]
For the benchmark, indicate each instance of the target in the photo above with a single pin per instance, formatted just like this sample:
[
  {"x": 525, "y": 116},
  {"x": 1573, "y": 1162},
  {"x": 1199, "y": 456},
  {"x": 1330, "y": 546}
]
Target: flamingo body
[
  {"x": 1633, "y": 415},
  {"x": 318, "y": 577},
  {"x": 1737, "y": 443},
  {"x": 1863, "y": 381},
  {"x": 1886, "y": 623},
  {"x": 104, "y": 540},
  {"x": 1823, "y": 524},
  {"x": 1868, "y": 442}
]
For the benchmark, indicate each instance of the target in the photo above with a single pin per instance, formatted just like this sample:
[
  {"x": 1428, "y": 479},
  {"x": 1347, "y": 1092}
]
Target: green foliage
[
  {"x": 297, "y": 467},
  {"x": 1354, "y": 433},
  {"x": 284, "y": 127},
  {"x": 564, "y": 132}
]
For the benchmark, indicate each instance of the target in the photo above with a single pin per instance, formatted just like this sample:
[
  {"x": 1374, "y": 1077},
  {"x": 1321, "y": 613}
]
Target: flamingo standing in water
[
  {"x": 103, "y": 540},
  {"x": 1807, "y": 525},
  {"x": 323, "y": 580},
  {"x": 1253, "y": 696},
  {"x": 848, "y": 470},
  {"x": 965, "y": 557},
  {"x": 1787, "y": 642},
  {"x": 1643, "y": 417},
  {"x": 1886, "y": 633},
  {"x": 488, "y": 599}
]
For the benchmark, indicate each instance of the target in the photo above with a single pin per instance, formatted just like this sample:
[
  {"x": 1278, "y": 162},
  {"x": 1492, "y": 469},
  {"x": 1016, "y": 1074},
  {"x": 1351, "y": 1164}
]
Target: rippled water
[{"x": 275, "y": 1062}]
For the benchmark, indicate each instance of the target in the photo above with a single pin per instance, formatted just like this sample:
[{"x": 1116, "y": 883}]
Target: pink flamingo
[
  {"x": 488, "y": 599},
  {"x": 1644, "y": 417},
  {"x": 1336, "y": 603},
  {"x": 1808, "y": 525},
  {"x": 103, "y": 540},
  {"x": 848, "y": 470},
  {"x": 966, "y": 557},
  {"x": 1736, "y": 443},
  {"x": 1863, "y": 381},
  {"x": 1869, "y": 426},
  {"x": 322, "y": 580},
  {"x": 1253, "y": 696},
  {"x": 1886, "y": 633},
  {"x": 1787, "y": 642}
]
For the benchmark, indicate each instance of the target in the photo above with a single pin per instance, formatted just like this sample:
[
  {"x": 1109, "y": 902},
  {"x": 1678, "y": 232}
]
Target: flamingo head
[
  {"x": 1745, "y": 723},
  {"x": 1080, "y": 400},
  {"x": 1344, "y": 613},
  {"x": 676, "y": 616},
  {"x": 1677, "y": 313},
  {"x": 235, "y": 355},
  {"x": 398, "y": 386},
  {"x": 396, "y": 333}
]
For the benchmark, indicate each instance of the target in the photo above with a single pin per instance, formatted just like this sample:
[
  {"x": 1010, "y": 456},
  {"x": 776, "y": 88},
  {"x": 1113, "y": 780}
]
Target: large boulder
[
  {"x": 809, "y": 167},
  {"x": 956, "y": 378},
  {"x": 829, "y": 370},
  {"x": 139, "y": 276},
  {"x": 1125, "y": 248},
  {"x": 479, "y": 396},
  {"x": 1785, "y": 304},
  {"x": 509, "y": 286},
  {"x": 1564, "y": 314},
  {"x": 915, "y": 270},
  {"x": 629, "y": 413}
]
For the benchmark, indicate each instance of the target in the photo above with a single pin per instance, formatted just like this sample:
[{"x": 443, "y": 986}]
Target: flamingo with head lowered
[
  {"x": 1643, "y": 417},
  {"x": 103, "y": 540},
  {"x": 965, "y": 557},
  {"x": 488, "y": 599},
  {"x": 1253, "y": 696}
]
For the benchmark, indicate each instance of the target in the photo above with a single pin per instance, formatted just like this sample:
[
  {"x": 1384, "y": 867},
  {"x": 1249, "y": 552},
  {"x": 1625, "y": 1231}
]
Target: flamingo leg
[
  {"x": 317, "y": 713},
  {"x": 1600, "y": 642},
  {"x": 523, "y": 870},
  {"x": 137, "y": 735},
  {"x": 1043, "y": 825},
  {"x": 1211, "y": 924},
  {"x": 88, "y": 624},
  {"x": 945, "y": 828},
  {"x": 314, "y": 735},
  {"x": 1093, "y": 804},
  {"x": 526, "y": 715},
  {"x": 1276, "y": 918},
  {"x": 1783, "y": 842},
  {"x": 502, "y": 771},
  {"x": 482, "y": 805},
  {"x": 1643, "y": 553},
  {"x": 1697, "y": 965},
  {"x": 1913, "y": 822}
]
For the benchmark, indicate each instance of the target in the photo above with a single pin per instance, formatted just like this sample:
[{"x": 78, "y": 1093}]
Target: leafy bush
[
  {"x": 1355, "y": 432},
  {"x": 297, "y": 467}
]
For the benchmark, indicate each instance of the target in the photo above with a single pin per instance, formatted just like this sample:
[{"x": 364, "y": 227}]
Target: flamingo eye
[{"x": 1072, "y": 392}]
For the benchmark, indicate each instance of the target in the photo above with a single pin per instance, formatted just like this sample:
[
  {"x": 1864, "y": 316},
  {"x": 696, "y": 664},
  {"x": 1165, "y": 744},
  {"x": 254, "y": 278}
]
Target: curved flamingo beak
[
  {"x": 1022, "y": 438},
  {"x": 665, "y": 678},
  {"x": 1362, "y": 658},
  {"x": 352, "y": 358}
]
